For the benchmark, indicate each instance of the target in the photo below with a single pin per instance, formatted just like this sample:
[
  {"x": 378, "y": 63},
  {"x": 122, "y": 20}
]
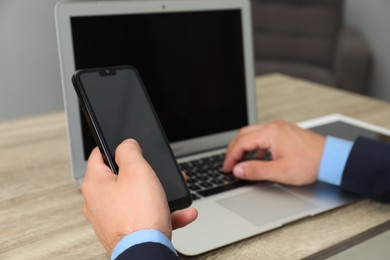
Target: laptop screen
[{"x": 192, "y": 65}]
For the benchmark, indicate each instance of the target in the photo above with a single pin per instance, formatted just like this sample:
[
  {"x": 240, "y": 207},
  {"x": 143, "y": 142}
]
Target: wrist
[{"x": 114, "y": 242}]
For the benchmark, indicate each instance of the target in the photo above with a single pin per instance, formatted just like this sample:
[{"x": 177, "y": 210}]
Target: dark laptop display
[{"x": 192, "y": 65}]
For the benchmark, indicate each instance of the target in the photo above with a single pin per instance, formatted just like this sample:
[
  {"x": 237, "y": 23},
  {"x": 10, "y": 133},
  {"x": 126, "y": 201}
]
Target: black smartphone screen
[{"x": 117, "y": 107}]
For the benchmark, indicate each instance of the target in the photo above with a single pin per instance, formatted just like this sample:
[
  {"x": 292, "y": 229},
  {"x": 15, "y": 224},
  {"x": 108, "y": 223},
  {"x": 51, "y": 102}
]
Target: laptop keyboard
[{"x": 205, "y": 176}]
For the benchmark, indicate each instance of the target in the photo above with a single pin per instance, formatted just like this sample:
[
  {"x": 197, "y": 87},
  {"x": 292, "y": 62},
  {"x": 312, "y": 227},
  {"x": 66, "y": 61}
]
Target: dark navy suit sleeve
[
  {"x": 367, "y": 171},
  {"x": 148, "y": 250}
]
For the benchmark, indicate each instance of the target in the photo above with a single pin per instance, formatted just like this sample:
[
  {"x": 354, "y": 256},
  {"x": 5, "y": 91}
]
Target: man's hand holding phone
[
  {"x": 117, "y": 107},
  {"x": 133, "y": 200}
]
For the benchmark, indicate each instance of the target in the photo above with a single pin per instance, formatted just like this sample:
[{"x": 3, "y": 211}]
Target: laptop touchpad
[{"x": 267, "y": 204}]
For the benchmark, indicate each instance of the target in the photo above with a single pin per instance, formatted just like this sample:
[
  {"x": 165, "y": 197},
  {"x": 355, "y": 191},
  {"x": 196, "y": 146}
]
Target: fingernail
[
  {"x": 238, "y": 171},
  {"x": 132, "y": 140}
]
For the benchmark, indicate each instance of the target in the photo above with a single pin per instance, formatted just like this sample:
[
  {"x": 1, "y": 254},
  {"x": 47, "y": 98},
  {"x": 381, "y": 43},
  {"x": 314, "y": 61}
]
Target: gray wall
[
  {"x": 29, "y": 70},
  {"x": 372, "y": 18}
]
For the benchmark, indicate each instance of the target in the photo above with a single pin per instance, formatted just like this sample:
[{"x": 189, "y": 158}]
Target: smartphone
[{"x": 116, "y": 106}]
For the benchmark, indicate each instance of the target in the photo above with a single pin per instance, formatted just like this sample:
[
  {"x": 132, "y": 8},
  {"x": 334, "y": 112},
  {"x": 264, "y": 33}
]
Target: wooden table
[{"x": 40, "y": 205}]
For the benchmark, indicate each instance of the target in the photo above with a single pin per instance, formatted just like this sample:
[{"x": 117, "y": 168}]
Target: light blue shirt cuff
[
  {"x": 139, "y": 237},
  {"x": 334, "y": 158}
]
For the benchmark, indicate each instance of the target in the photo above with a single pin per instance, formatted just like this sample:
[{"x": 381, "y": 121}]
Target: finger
[
  {"x": 96, "y": 156},
  {"x": 184, "y": 176},
  {"x": 260, "y": 154},
  {"x": 96, "y": 166},
  {"x": 127, "y": 151},
  {"x": 261, "y": 171},
  {"x": 97, "y": 173},
  {"x": 243, "y": 131},
  {"x": 182, "y": 218},
  {"x": 245, "y": 143},
  {"x": 131, "y": 161}
]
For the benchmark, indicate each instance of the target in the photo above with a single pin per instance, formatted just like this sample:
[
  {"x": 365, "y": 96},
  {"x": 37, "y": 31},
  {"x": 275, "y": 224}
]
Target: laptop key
[
  {"x": 206, "y": 184},
  {"x": 217, "y": 181},
  {"x": 194, "y": 187},
  {"x": 205, "y": 177}
]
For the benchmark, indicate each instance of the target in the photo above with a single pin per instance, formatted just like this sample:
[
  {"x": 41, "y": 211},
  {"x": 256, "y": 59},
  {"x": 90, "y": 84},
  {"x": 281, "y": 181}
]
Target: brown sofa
[{"x": 307, "y": 39}]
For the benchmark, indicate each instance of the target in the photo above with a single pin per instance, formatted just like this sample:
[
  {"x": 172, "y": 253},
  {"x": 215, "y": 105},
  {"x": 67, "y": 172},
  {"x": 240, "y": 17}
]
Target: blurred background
[{"x": 30, "y": 81}]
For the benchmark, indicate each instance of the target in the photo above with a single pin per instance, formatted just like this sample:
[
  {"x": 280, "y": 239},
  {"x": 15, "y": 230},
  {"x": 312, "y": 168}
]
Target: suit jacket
[
  {"x": 148, "y": 250},
  {"x": 367, "y": 171}
]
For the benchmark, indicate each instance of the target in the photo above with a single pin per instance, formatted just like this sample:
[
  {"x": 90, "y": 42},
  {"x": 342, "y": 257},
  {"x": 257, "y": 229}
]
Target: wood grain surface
[{"x": 40, "y": 205}]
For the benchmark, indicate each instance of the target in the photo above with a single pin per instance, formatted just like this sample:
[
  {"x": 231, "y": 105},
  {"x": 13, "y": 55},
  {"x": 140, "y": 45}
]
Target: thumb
[{"x": 257, "y": 170}]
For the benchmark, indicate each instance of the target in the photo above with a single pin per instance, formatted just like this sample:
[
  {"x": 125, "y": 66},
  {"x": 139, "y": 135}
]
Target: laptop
[{"x": 196, "y": 60}]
